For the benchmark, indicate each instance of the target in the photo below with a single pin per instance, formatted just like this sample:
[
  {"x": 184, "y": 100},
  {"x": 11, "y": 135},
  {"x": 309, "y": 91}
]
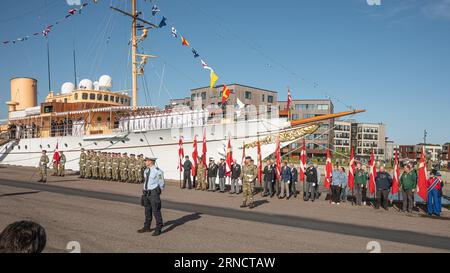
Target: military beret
[{"x": 248, "y": 157}]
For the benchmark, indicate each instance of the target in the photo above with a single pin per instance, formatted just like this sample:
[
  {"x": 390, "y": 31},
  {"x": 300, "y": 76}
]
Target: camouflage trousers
[
  {"x": 108, "y": 174},
  {"x": 202, "y": 184},
  {"x": 82, "y": 171},
  {"x": 123, "y": 175},
  {"x": 61, "y": 169},
  {"x": 139, "y": 176},
  {"x": 102, "y": 172},
  {"x": 95, "y": 172},
  {"x": 247, "y": 192},
  {"x": 88, "y": 172},
  {"x": 43, "y": 173},
  {"x": 115, "y": 174}
]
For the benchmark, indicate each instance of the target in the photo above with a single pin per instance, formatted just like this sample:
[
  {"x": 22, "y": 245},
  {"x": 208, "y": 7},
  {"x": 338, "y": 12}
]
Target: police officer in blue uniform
[{"x": 153, "y": 186}]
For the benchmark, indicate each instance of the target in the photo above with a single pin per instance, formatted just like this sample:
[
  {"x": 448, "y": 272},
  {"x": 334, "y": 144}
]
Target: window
[
  {"x": 111, "y": 98},
  {"x": 270, "y": 99},
  {"x": 92, "y": 96},
  {"x": 105, "y": 97},
  {"x": 75, "y": 96},
  {"x": 192, "y": 97},
  {"x": 322, "y": 107},
  {"x": 65, "y": 100},
  {"x": 84, "y": 96},
  {"x": 121, "y": 100},
  {"x": 99, "y": 96},
  {"x": 263, "y": 97},
  {"x": 203, "y": 95},
  {"x": 99, "y": 119},
  {"x": 117, "y": 99},
  {"x": 248, "y": 95},
  {"x": 309, "y": 115},
  {"x": 295, "y": 116}
]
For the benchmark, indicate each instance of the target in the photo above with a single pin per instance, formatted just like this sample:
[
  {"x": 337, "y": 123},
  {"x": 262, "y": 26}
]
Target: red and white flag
[
  {"x": 289, "y": 99},
  {"x": 396, "y": 178},
  {"x": 278, "y": 158},
  {"x": 328, "y": 171},
  {"x": 303, "y": 161},
  {"x": 180, "y": 154},
  {"x": 195, "y": 155},
  {"x": 422, "y": 189},
  {"x": 229, "y": 160},
  {"x": 56, "y": 154},
  {"x": 259, "y": 163},
  {"x": 351, "y": 170},
  {"x": 373, "y": 173}
]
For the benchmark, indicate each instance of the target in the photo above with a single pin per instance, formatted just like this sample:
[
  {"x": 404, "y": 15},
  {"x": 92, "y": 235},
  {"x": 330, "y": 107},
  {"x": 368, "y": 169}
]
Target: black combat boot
[
  {"x": 156, "y": 233},
  {"x": 243, "y": 205}
]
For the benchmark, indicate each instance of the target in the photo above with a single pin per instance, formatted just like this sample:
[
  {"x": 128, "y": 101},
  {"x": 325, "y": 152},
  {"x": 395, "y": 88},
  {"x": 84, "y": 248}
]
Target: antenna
[{"x": 75, "y": 67}]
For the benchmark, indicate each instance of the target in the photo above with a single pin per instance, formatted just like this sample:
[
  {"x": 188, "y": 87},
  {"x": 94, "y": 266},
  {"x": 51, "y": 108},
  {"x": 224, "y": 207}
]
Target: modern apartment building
[
  {"x": 363, "y": 136},
  {"x": 317, "y": 143}
]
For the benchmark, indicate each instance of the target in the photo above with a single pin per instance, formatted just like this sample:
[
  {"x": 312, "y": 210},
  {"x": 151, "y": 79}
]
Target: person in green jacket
[
  {"x": 361, "y": 178},
  {"x": 408, "y": 184}
]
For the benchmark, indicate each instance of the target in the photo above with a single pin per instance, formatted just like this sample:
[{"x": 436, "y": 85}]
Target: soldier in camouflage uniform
[
  {"x": 248, "y": 176},
  {"x": 124, "y": 168},
  {"x": 61, "y": 164},
  {"x": 43, "y": 166},
  {"x": 95, "y": 162},
  {"x": 88, "y": 171},
  {"x": 202, "y": 183},
  {"x": 139, "y": 169},
  {"x": 108, "y": 168},
  {"x": 115, "y": 167},
  {"x": 82, "y": 163},
  {"x": 102, "y": 166},
  {"x": 131, "y": 169}
]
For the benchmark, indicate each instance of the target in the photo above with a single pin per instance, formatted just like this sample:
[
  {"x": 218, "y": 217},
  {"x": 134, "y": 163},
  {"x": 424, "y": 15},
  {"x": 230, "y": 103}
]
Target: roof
[{"x": 262, "y": 89}]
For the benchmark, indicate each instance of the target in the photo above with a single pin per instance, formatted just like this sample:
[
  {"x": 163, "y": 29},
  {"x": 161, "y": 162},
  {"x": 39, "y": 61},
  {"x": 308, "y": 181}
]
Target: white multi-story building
[
  {"x": 363, "y": 136},
  {"x": 433, "y": 151}
]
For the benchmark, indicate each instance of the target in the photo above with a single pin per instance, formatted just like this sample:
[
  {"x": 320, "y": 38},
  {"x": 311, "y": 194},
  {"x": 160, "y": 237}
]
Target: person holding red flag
[
  {"x": 180, "y": 157},
  {"x": 435, "y": 185},
  {"x": 312, "y": 179},
  {"x": 303, "y": 165},
  {"x": 195, "y": 159},
  {"x": 204, "y": 148},
  {"x": 422, "y": 177},
  {"x": 408, "y": 184},
  {"x": 55, "y": 161},
  {"x": 372, "y": 174},
  {"x": 351, "y": 172},
  {"x": 396, "y": 177},
  {"x": 328, "y": 173}
]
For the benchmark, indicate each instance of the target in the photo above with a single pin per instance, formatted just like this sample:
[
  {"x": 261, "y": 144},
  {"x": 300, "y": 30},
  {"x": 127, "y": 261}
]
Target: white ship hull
[{"x": 162, "y": 144}]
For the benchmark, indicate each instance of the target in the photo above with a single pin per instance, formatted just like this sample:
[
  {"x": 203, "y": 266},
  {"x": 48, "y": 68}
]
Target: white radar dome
[
  {"x": 105, "y": 82},
  {"x": 67, "y": 87},
  {"x": 86, "y": 84}
]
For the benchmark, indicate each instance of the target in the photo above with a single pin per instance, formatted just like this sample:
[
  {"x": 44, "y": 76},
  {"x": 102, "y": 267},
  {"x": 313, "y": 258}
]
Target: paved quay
[{"x": 104, "y": 216}]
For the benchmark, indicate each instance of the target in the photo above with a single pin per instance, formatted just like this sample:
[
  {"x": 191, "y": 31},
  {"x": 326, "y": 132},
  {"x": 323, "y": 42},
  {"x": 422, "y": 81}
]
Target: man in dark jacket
[
  {"x": 311, "y": 182},
  {"x": 285, "y": 180},
  {"x": 187, "y": 168},
  {"x": 212, "y": 174},
  {"x": 235, "y": 174},
  {"x": 383, "y": 182},
  {"x": 268, "y": 178},
  {"x": 222, "y": 175},
  {"x": 294, "y": 181}
]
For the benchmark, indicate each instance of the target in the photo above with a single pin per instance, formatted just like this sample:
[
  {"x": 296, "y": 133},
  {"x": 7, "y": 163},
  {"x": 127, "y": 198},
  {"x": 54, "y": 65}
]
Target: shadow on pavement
[
  {"x": 18, "y": 193},
  {"x": 171, "y": 225}
]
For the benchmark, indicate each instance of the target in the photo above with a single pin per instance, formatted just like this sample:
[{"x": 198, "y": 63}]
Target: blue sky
[{"x": 392, "y": 60}]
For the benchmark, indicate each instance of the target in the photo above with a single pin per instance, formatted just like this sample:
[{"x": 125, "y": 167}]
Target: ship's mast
[
  {"x": 133, "y": 54},
  {"x": 134, "y": 43}
]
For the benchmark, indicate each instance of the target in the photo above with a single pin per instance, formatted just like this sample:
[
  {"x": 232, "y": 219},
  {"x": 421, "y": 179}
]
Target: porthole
[
  {"x": 79, "y": 144},
  {"x": 26, "y": 147},
  {"x": 161, "y": 138},
  {"x": 48, "y": 145},
  {"x": 142, "y": 140},
  {"x": 40, "y": 146},
  {"x": 65, "y": 144}
]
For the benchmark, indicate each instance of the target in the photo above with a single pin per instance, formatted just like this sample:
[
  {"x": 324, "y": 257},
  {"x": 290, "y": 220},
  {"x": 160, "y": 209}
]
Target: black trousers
[
  {"x": 335, "y": 194},
  {"x": 187, "y": 178},
  {"x": 382, "y": 198},
  {"x": 152, "y": 205}
]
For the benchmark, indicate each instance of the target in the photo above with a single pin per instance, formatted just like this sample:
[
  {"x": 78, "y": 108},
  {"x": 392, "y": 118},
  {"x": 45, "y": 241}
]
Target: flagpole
[{"x": 48, "y": 66}]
